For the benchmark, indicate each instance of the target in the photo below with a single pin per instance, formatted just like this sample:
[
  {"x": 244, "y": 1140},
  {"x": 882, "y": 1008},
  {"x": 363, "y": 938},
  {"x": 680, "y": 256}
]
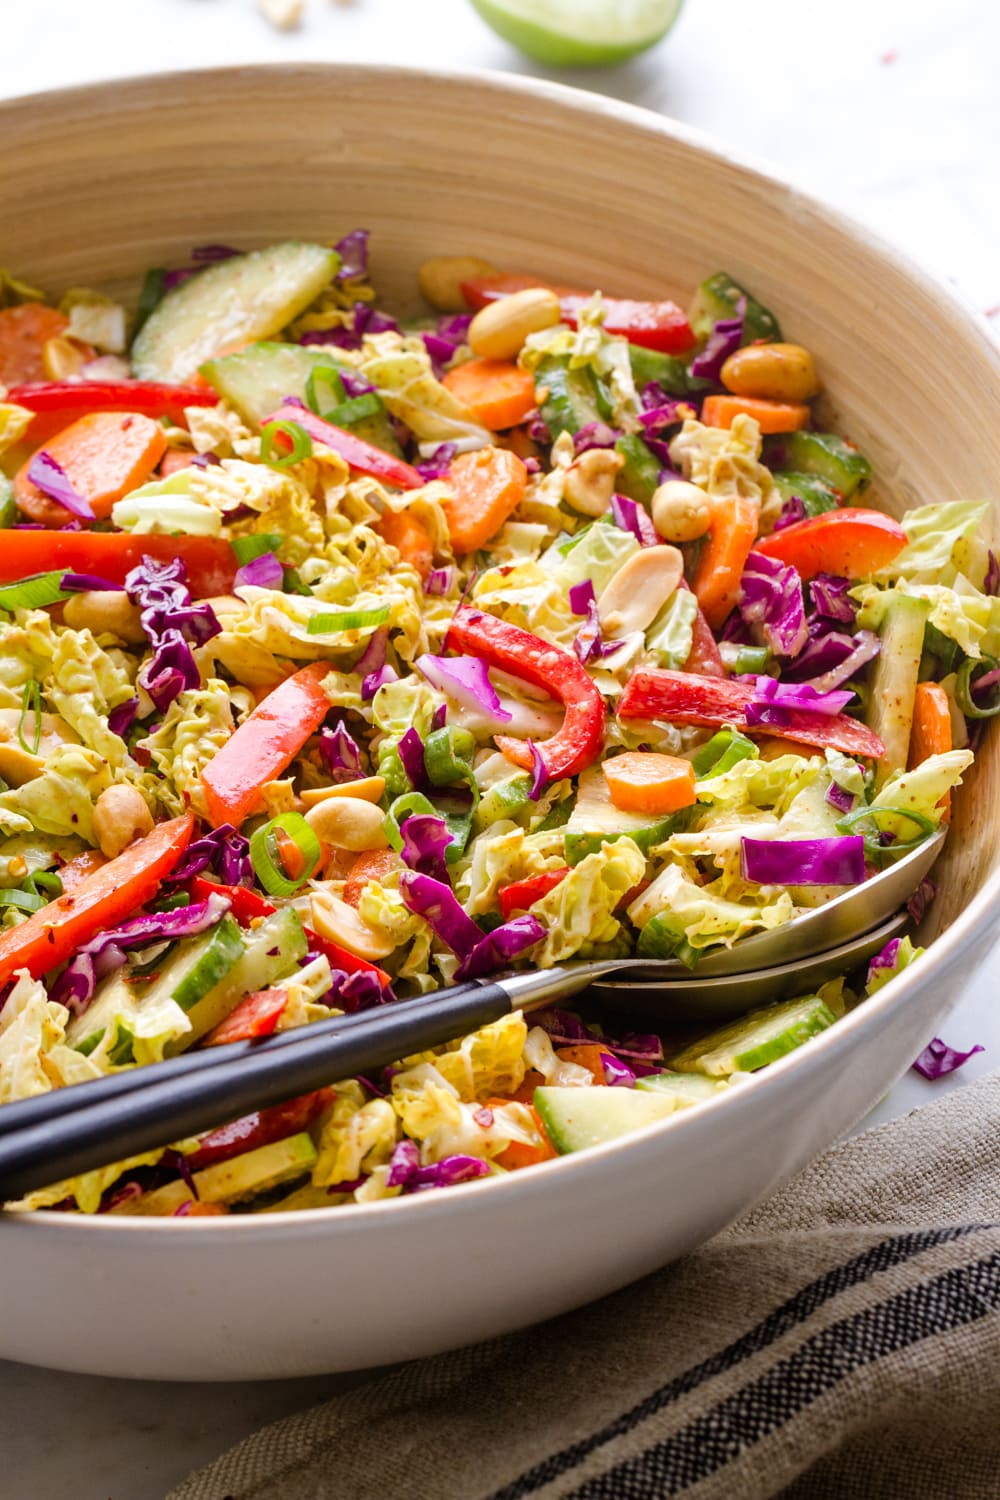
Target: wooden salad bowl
[{"x": 98, "y": 183}]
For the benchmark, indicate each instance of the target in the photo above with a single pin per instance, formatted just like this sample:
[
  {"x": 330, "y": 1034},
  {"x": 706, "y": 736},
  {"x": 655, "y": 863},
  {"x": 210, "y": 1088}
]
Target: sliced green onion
[
  {"x": 292, "y": 583},
  {"x": 298, "y": 437},
  {"x": 23, "y": 900},
  {"x": 868, "y": 822},
  {"x": 965, "y": 682},
  {"x": 354, "y": 410},
  {"x": 723, "y": 751},
  {"x": 329, "y": 376},
  {"x": 751, "y": 659},
  {"x": 349, "y": 619},
  {"x": 266, "y": 856},
  {"x": 34, "y": 592},
  {"x": 249, "y": 547},
  {"x": 402, "y": 808},
  {"x": 31, "y": 702},
  {"x": 47, "y": 882}
]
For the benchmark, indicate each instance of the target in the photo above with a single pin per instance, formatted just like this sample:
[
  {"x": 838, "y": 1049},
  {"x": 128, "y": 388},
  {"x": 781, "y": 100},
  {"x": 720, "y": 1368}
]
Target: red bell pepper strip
[
  {"x": 210, "y": 562},
  {"x": 852, "y": 542},
  {"x": 150, "y": 397},
  {"x": 101, "y": 899},
  {"x": 581, "y": 738},
  {"x": 263, "y": 745},
  {"x": 522, "y": 894},
  {"x": 259, "y": 1129},
  {"x": 245, "y": 905},
  {"x": 684, "y": 698},
  {"x": 364, "y": 457},
  {"x": 257, "y": 1015},
  {"x": 704, "y": 656},
  {"x": 656, "y": 325}
]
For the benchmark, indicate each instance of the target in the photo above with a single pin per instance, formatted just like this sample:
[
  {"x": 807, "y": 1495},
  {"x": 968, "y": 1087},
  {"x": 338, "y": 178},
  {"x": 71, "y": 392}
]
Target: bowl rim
[{"x": 943, "y": 953}]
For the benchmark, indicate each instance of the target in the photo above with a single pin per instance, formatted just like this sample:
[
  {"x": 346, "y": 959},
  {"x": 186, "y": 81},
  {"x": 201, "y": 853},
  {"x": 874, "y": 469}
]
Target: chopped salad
[{"x": 344, "y": 657}]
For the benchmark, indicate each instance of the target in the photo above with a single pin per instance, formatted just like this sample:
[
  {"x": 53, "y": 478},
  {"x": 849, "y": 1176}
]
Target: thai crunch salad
[{"x": 343, "y": 658}]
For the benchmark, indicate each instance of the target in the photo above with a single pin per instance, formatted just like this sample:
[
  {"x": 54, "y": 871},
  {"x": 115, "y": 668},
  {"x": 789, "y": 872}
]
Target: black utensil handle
[
  {"x": 176, "y": 1107},
  {"x": 42, "y": 1108}
]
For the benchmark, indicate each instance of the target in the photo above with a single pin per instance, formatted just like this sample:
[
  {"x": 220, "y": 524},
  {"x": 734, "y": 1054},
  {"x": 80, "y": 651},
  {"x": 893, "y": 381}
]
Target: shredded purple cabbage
[
  {"x": 437, "y": 466},
  {"x": 341, "y": 754},
  {"x": 726, "y": 337},
  {"x": 173, "y": 623},
  {"x": 223, "y": 851},
  {"x": 362, "y": 990},
  {"x": 773, "y": 699},
  {"x": 480, "y": 955},
  {"x": 466, "y": 681},
  {"x": 539, "y": 775},
  {"x": 628, "y": 515},
  {"x": 365, "y": 319},
  {"x": 406, "y": 1172},
  {"x": 411, "y": 753},
  {"x": 49, "y": 476},
  {"x": 991, "y": 583},
  {"x": 831, "y": 599},
  {"x": 792, "y": 512},
  {"x": 88, "y": 583},
  {"x": 263, "y": 572},
  {"x": 440, "y": 716},
  {"x": 353, "y": 252},
  {"x": 840, "y": 798},
  {"x": 594, "y": 435},
  {"x": 425, "y": 839},
  {"x": 122, "y": 717},
  {"x": 669, "y": 413},
  {"x": 833, "y": 861},
  {"x": 497, "y": 949},
  {"x": 372, "y": 681},
  {"x": 770, "y": 601},
  {"x": 616, "y": 1074},
  {"x": 373, "y": 656},
  {"x": 938, "y": 1059},
  {"x": 441, "y": 580}
]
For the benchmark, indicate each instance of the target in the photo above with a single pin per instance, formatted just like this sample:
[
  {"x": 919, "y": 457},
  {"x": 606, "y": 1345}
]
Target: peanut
[
  {"x": 589, "y": 485},
  {"x": 332, "y": 918},
  {"x": 681, "y": 511},
  {"x": 441, "y": 277},
  {"x": 368, "y": 788},
  {"x": 640, "y": 589},
  {"x": 120, "y": 817},
  {"x": 772, "y": 372},
  {"x": 105, "y": 612},
  {"x": 499, "y": 329},
  {"x": 348, "y": 823}
]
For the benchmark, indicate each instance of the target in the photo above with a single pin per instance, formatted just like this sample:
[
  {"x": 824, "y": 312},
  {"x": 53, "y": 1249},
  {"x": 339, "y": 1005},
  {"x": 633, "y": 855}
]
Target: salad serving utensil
[{"x": 80, "y": 1128}]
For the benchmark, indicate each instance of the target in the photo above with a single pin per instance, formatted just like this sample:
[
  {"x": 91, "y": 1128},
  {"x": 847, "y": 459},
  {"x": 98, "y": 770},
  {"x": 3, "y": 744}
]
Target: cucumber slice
[
  {"x": 195, "y": 973},
  {"x": 640, "y": 477},
  {"x": 816, "y": 495},
  {"x": 595, "y": 820},
  {"x": 571, "y": 402},
  {"x": 256, "y": 380},
  {"x": 579, "y": 33},
  {"x": 669, "y": 372},
  {"x": 688, "y": 1088},
  {"x": 757, "y": 1039},
  {"x": 823, "y": 454},
  {"x": 575, "y": 1118},
  {"x": 719, "y": 297},
  {"x": 894, "y": 682},
  {"x": 274, "y": 951},
  {"x": 244, "y": 1176},
  {"x": 249, "y": 297}
]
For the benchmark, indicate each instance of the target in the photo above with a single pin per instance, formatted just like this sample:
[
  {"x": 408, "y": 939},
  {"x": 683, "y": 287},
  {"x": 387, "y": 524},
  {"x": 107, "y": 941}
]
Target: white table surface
[{"x": 887, "y": 107}]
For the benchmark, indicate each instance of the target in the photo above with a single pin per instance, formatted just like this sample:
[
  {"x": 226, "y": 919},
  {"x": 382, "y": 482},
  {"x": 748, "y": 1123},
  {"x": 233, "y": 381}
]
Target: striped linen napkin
[{"x": 841, "y": 1340}]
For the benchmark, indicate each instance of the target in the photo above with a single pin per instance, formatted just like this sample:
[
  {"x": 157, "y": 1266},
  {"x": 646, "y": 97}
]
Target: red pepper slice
[
  {"x": 704, "y": 657},
  {"x": 263, "y": 745},
  {"x": 210, "y": 562},
  {"x": 256, "y": 1015},
  {"x": 656, "y": 325},
  {"x": 852, "y": 542},
  {"x": 684, "y": 698},
  {"x": 259, "y": 1129},
  {"x": 364, "y": 457},
  {"x": 246, "y": 905},
  {"x": 150, "y": 397},
  {"x": 100, "y": 900},
  {"x": 580, "y": 740},
  {"x": 522, "y": 894}
]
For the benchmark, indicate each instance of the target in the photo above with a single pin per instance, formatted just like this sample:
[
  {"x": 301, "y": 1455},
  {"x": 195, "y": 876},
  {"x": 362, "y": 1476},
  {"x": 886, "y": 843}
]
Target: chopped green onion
[
  {"x": 965, "y": 682},
  {"x": 247, "y": 548},
  {"x": 8, "y": 505},
  {"x": 34, "y": 592},
  {"x": 349, "y": 619},
  {"x": 723, "y": 751},
  {"x": 292, "y": 583},
  {"x": 298, "y": 437},
  {"x": 151, "y": 295},
  {"x": 354, "y": 410},
  {"x": 46, "y": 881},
  {"x": 265, "y": 853},
  {"x": 329, "y": 376},
  {"x": 402, "y": 808},
  {"x": 868, "y": 821},
  {"x": 23, "y": 900},
  {"x": 31, "y": 702}
]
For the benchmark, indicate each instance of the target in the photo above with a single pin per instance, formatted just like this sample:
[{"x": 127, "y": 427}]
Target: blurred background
[{"x": 888, "y": 109}]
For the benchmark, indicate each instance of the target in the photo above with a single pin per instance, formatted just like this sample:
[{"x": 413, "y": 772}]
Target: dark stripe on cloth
[
  {"x": 797, "y": 1309},
  {"x": 957, "y": 1297}
]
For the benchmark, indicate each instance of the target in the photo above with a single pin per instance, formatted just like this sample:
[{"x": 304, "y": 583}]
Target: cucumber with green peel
[
  {"x": 86, "y": 1032},
  {"x": 894, "y": 680},
  {"x": 577, "y": 1118},
  {"x": 571, "y": 395},
  {"x": 236, "y": 301},
  {"x": 272, "y": 952},
  {"x": 757, "y": 1039},
  {"x": 718, "y": 298},
  {"x": 671, "y": 374},
  {"x": 595, "y": 820},
  {"x": 640, "y": 477},
  {"x": 243, "y": 1176},
  {"x": 687, "y": 1088},
  {"x": 822, "y": 454},
  {"x": 256, "y": 380},
  {"x": 816, "y": 495},
  {"x": 192, "y": 974}
]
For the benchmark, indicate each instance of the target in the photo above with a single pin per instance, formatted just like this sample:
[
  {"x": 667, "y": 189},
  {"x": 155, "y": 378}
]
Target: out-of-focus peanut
[
  {"x": 773, "y": 372},
  {"x": 105, "y": 612},
  {"x": 120, "y": 817},
  {"x": 681, "y": 511},
  {"x": 589, "y": 485},
  {"x": 499, "y": 329},
  {"x": 441, "y": 278}
]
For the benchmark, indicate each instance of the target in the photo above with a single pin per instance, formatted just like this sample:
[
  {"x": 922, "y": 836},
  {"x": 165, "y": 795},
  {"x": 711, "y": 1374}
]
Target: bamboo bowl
[{"x": 98, "y": 183}]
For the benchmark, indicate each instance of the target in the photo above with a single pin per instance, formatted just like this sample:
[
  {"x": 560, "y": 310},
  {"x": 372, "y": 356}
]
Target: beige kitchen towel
[{"x": 843, "y": 1340}]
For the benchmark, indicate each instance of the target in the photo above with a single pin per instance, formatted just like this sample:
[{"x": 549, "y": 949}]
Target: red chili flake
[
  {"x": 889, "y": 57},
  {"x": 483, "y": 1116}
]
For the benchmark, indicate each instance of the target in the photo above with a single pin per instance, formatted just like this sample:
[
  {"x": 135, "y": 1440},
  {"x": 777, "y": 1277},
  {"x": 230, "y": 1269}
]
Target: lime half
[{"x": 580, "y": 33}]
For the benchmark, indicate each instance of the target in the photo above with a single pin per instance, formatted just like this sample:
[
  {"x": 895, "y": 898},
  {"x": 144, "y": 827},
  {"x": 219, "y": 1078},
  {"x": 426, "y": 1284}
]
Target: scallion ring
[
  {"x": 248, "y": 548},
  {"x": 965, "y": 684},
  {"x": 295, "y": 434},
  {"x": 868, "y": 822},
  {"x": 31, "y": 702},
  {"x": 23, "y": 900},
  {"x": 349, "y": 619},
  {"x": 265, "y": 853},
  {"x": 324, "y": 375}
]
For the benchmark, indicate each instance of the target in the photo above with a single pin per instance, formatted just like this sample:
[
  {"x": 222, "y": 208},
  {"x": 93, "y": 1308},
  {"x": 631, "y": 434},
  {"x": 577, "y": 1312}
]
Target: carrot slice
[
  {"x": 487, "y": 487},
  {"x": 176, "y": 459},
  {"x": 24, "y": 332},
  {"x": 105, "y": 455},
  {"x": 720, "y": 566},
  {"x": 585, "y": 1055},
  {"x": 645, "y": 781},
  {"x": 410, "y": 537},
  {"x": 520, "y": 1153},
  {"x": 930, "y": 733},
  {"x": 497, "y": 392},
  {"x": 373, "y": 864},
  {"x": 771, "y": 416}
]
